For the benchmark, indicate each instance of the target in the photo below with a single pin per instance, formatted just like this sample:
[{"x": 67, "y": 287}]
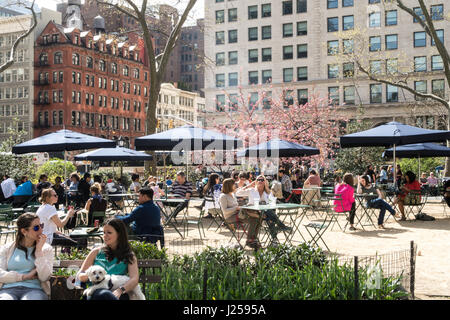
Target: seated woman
[
  {"x": 23, "y": 193},
  {"x": 49, "y": 217},
  {"x": 346, "y": 202},
  {"x": 135, "y": 185},
  {"x": 95, "y": 203},
  {"x": 59, "y": 191},
  {"x": 308, "y": 196},
  {"x": 212, "y": 190},
  {"x": 230, "y": 208},
  {"x": 364, "y": 187},
  {"x": 404, "y": 197},
  {"x": 259, "y": 190},
  {"x": 27, "y": 263},
  {"x": 74, "y": 195},
  {"x": 116, "y": 257}
]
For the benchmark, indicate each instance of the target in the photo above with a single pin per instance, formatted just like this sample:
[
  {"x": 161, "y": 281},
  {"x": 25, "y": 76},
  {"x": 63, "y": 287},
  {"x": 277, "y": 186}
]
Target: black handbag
[{"x": 72, "y": 222}]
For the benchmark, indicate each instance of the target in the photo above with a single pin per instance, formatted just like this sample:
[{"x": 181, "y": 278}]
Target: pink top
[
  {"x": 346, "y": 191},
  {"x": 314, "y": 180}
]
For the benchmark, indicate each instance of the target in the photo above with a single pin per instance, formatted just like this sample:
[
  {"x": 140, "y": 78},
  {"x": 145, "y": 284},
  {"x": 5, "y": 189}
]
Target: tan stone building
[{"x": 277, "y": 46}]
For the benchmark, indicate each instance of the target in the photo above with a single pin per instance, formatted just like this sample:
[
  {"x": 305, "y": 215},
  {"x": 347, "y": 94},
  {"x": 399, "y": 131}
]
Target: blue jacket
[
  {"x": 146, "y": 217},
  {"x": 25, "y": 189}
]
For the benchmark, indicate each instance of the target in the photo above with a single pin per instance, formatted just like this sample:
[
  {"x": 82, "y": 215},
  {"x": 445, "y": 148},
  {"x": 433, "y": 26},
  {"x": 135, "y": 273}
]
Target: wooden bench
[{"x": 149, "y": 270}]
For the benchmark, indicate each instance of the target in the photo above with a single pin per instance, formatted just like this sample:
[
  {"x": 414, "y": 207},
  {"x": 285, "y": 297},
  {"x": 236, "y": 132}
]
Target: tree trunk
[{"x": 150, "y": 166}]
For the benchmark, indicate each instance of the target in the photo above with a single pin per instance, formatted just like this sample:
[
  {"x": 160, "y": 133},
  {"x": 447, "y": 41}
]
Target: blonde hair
[
  {"x": 228, "y": 185},
  {"x": 266, "y": 185},
  {"x": 46, "y": 195}
]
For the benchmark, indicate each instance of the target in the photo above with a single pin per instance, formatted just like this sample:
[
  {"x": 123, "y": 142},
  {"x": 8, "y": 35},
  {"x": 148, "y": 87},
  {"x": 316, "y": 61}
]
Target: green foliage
[
  {"x": 55, "y": 168},
  {"x": 64, "y": 272},
  {"x": 144, "y": 250},
  {"x": 15, "y": 165},
  {"x": 427, "y": 165},
  {"x": 356, "y": 160},
  {"x": 75, "y": 254},
  {"x": 276, "y": 273}
]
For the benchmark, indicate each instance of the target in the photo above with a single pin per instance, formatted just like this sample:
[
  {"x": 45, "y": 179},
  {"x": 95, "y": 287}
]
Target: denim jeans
[
  {"x": 22, "y": 293},
  {"x": 105, "y": 294},
  {"x": 383, "y": 206},
  {"x": 272, "y": 220}
]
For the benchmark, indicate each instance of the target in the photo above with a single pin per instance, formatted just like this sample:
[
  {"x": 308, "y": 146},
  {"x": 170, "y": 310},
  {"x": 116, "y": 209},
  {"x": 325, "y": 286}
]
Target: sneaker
[
  {"x": 209, "y": 216},
  {"x": 352, "y": 229},
  {"x": 253, "y": 244}
]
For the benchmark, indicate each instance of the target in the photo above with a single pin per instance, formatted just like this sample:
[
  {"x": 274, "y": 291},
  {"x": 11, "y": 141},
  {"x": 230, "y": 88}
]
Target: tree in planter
[
  {"x": 427, "y": 165},
  {"x": 398, "y": 71},
  {"x": 356, "y": 160},
  {"x": 55, "y": 168},
  {"x": 157, "y": 63}
]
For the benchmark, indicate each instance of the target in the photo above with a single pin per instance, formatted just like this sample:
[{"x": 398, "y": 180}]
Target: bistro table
[
  {"x": 284, "y": 209},
  {"x": 129, "y": 200},
  {"x": 81, "y": 232},
  {"x": 368, "y": 213},
  {"x": 169, "y": 216}
]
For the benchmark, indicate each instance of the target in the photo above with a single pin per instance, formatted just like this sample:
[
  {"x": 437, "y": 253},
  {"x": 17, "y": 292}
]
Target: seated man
[
  {"x": 146, "y": 218},
  {"x": 43, "y": 184},
  {"x": 181, "y": 188},
  {"x": 23, "y": 192}
]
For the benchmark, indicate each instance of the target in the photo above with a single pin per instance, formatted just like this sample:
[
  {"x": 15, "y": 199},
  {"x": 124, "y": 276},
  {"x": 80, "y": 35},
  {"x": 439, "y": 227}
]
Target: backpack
[{"x": 424, "y": 217}]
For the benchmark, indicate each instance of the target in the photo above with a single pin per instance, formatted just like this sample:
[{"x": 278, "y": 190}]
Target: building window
[
  {"x": 266, "y": 54},
  {"x": 437, "y": 12},
  {"x": 232, "y": 15},
  {"x": 58, "y": 58},
  {"x": 348, "y": 70},
  {"x": 349, "y": 95},
  {"x": 252, "y": 55},
  {"x": 266, "y": 76},
  {"x": 252, "y": 34},
  {"x": 126, "y": 71},
  {"x": 420, "y": 39},
  {"x": 253, "y": 100},
  {"x": 302, "y": 28},
  {"x": 347, "y": 23},
  {"x": 333, "y": 47},
  {"x": 333, "y": 24},
  {"x": 220, "y": 16},
  {"x": 220, "y": 80},
  {"x": 375, "y": 67},
  {"x": 391, "y": 93},
  {"x": 233, "y": 57},
  {"x": 333, "y": 71},
  {"x": 266, "y": 32},
  {"x": 437, "y": 63},
  {"x": 420, "y": 64},
  {"x": 232, "y": 36},
  {"x": 391, "y": 66},
  {"x": 438, "y": 87},
  {"x": 347, "y": 3},
  {"x": 288, "y": 98},
  {"x": 233, "y": 79},
  {"x": 267, "y": 101},
  {"x": 391, "y": 42},
  {"x": 220, "y": 37},
  {"x": 102, "y": 65},
  {"x": 288, "y": 74},
  {"x": 332, "y": 4},
  {"x": 333, "y": 95},
  {"x": 391, "y": 18},
  {"x": 420, "y": 87},
  {"x": 374, "y": 1},
  {"x": 440, "y": 35},
  {"x": 287, "y": 7},
  {"x": 266, "y": 10},
  {"x": 89, "y": 62},
  {"x": 375, "y": 43},
  {"x": 375, "y": 93},
  {"x": 302, "y": 51},
  {"x": 220, "y": 59},
  {"x": 252, "y": 77},
  {"x": 375, "y": 19},
  {"x": 347, "y": 46},
  {"x": 302, "y": 73},
  {"x": 288, "y": 52},
  {"x": 302, "y": 96},
  {"x": 301, "y": 6},
  {"x": 114, "y": 68},
  {"x": 76, "y": 59},
  {"x": 287, "y": 30},
  {"x": 418, "y": 11},
  {"x": 252, "y": 12}
]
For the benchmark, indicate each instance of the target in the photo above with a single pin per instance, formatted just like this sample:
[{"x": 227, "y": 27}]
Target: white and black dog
[{"x": 101, "y": 280}]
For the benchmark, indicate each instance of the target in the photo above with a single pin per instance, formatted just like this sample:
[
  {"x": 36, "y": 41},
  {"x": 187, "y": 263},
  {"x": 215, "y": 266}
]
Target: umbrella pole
[
  {"x": 164, "y": 160},
  {"x": 65, "y": 173},
  {"x": 418, "y": 175},
  {"x": 395, "y": 169}
]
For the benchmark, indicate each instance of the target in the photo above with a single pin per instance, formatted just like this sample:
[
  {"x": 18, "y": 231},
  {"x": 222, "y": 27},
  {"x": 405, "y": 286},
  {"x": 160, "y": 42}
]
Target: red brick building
[{"x": 90, "y": 83}]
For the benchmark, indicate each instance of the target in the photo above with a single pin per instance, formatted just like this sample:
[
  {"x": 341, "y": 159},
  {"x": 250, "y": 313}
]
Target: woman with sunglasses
[
  {"x": 259, "y": 190},
  {"x": 27, "y": 263},
  {"x": 49, "y": 216}
]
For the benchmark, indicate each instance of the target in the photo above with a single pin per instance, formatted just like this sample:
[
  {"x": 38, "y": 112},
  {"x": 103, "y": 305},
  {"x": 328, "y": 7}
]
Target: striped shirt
[{"x": 180, "y": 190}]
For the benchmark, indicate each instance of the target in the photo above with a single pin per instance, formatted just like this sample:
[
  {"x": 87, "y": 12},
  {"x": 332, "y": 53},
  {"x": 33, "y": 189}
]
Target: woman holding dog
[
  {"x": 27, "y": 263},
  {"x": 116, "y": 257}
]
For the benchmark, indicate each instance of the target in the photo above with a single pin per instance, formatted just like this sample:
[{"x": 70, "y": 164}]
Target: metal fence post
[
  {"x": 412, "y": 265},
  {"x": 205, "y": 283},
  {"x": 356, "y": 293}
]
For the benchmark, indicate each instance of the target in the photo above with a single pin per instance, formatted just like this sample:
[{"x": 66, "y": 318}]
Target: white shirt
[
  {"x": 134, "y": 185},
  {"x": 252, "y": 194},
  {"x": 45, "y": 213},
  {"x": 8, "y": 187}
]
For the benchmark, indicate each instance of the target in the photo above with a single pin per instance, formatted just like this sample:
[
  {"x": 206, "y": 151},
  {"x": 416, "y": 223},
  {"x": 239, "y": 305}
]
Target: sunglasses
[
  {"x": 38, "y": 226},
  {"x": 260, "y": 180}
]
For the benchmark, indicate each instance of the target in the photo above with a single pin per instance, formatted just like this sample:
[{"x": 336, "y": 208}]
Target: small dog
[{"x": 101, "y": 280}]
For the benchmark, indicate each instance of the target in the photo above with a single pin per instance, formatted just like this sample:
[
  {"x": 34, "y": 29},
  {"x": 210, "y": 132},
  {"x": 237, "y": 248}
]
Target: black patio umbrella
[{"x": 393, "y": 134}]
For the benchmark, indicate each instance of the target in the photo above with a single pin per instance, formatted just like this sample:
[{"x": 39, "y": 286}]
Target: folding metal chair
[
  {"x": 414, "y": 203},
  {"x": 187, "y": 220},
  {"x": 296, "y": 216},
  {"x": 318, "y": 229},
  {"x": 215, "y": 216},
  {"x": 237, "y": 228}
]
